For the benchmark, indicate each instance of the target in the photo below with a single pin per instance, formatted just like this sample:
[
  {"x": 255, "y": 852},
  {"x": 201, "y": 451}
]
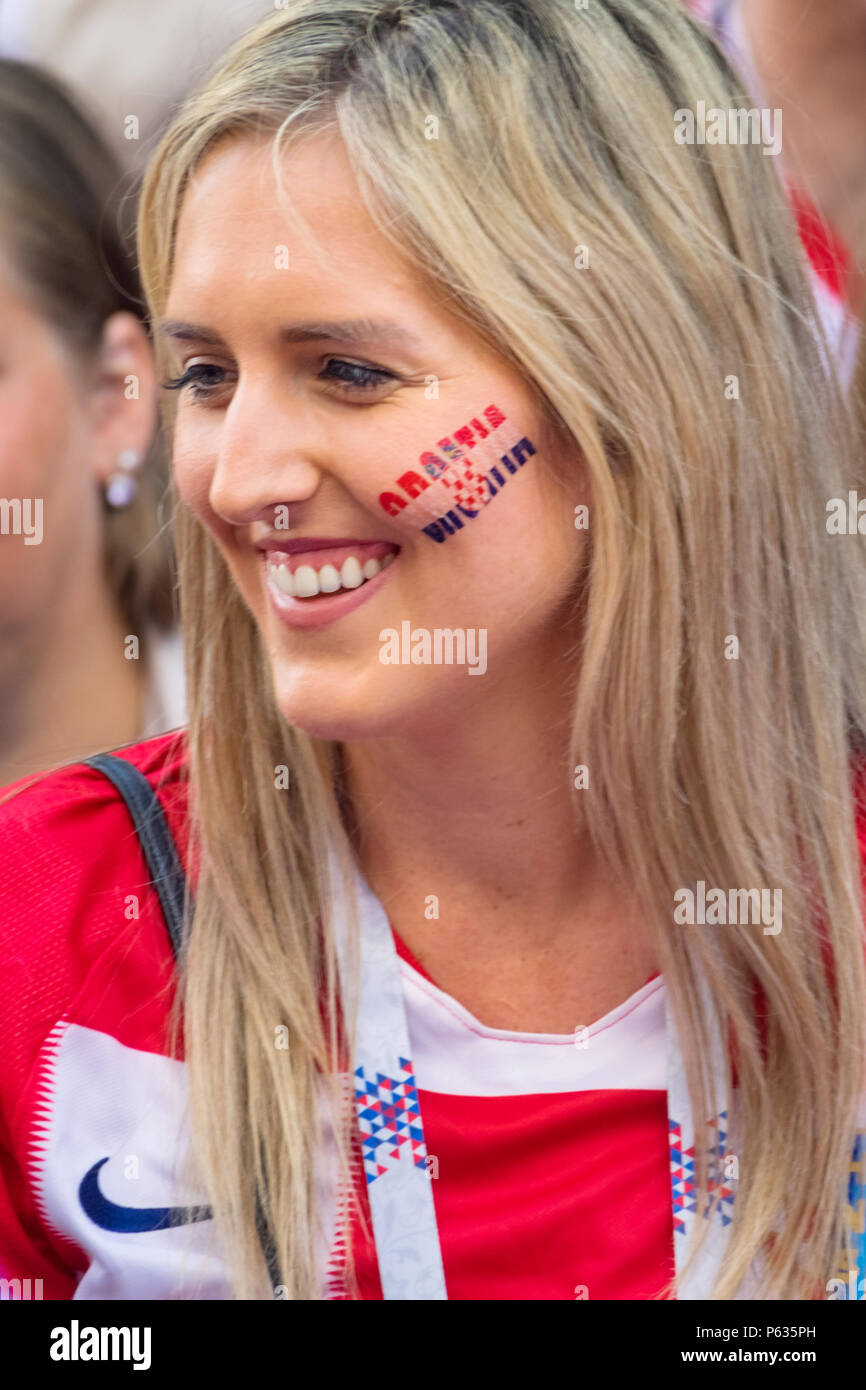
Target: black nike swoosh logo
[{"x": 112, "y": 1217}]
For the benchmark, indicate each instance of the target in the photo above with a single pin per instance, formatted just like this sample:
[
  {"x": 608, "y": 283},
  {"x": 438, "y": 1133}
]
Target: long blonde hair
[{"x": 655, "y": 294}]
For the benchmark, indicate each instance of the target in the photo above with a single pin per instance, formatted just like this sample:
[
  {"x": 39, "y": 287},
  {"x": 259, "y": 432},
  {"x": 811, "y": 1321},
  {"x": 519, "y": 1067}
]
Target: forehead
[{"x": 235, "y": 226}]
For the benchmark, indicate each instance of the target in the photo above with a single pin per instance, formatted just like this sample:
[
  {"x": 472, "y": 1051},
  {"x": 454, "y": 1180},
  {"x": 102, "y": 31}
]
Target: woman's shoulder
[
  {"x": 82, "y": 937},
  {"x": 63, "y": 817}
]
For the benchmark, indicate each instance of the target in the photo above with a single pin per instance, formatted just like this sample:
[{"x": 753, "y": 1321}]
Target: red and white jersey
[{"x": 549, "y": 1155}]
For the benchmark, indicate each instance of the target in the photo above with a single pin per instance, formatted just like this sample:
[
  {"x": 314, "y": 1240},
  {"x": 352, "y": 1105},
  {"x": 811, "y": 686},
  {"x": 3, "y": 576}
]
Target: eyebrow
[{"x": 348, "y": 330}]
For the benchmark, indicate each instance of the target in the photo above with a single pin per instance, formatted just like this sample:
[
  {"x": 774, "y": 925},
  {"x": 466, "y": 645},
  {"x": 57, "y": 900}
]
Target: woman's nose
[{"x": 267, "y": 456}]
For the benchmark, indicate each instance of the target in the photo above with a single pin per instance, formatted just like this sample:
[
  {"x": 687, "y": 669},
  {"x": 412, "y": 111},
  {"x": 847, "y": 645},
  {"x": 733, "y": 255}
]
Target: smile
[
  {"x": 307, "y": 578},
  {"x": 313, "y": 582}
]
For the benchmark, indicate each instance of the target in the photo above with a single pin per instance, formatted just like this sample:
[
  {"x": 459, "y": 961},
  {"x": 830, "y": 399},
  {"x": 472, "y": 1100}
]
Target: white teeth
[
  {"x": 329, "y": 579},
  {"x": 283, "y": 579},
  {"x": 306, "y": 582},
  {"x": 351, "y": 575}
]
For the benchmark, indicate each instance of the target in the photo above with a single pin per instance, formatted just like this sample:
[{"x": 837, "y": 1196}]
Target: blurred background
[{"x": 90, "y": 653}]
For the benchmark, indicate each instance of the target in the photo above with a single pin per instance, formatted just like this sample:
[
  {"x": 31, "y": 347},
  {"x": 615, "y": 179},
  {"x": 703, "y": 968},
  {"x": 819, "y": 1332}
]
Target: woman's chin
[
  {"x": 323, "y": 710},
  {"x": 354, "y": 705}
]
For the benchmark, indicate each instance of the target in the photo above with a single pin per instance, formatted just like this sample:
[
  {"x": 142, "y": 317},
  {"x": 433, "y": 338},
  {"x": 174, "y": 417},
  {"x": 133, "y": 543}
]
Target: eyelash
[{"x": 367, "y": 378}]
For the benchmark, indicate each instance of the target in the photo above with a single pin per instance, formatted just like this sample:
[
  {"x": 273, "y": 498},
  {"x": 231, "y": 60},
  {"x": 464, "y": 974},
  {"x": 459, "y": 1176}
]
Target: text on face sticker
[{"x": 449, "y": 484}]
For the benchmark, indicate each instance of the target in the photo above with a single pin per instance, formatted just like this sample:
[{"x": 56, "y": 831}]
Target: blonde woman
[{"x": 522, "y": 951}]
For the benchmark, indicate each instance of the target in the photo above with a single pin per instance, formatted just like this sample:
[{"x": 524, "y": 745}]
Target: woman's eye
[
  {"x": 354, "y": 375},
  {"x": 203, "y": 379}
]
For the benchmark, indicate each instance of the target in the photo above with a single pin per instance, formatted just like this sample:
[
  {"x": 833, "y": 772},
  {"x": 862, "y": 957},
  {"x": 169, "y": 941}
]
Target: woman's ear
[{"x": 122, "y": 395}]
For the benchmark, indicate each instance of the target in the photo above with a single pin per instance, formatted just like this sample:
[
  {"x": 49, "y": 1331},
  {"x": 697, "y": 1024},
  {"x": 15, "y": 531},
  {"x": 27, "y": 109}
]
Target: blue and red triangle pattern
[
  {"x": 389, "y": 1117},
  {"x": 683, "y": 1180}
]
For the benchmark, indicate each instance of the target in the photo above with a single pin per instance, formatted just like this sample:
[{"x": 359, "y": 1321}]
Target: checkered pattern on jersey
[
  {"x": 389, "y": 1117},
  {"x": 684, "y": 1181}
]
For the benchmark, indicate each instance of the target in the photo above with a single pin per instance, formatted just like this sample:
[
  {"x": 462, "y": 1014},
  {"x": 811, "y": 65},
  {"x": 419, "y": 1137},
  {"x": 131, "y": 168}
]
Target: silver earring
[{"x": 122, "y": 486}]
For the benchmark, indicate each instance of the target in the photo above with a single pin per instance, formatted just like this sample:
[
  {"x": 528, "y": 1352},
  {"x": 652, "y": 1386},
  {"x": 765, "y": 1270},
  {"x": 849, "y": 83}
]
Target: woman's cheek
[{"x": 456, "y": 477}]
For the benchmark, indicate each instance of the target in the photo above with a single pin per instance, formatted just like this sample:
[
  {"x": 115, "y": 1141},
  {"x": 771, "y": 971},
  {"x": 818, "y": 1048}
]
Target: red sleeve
[
  {"x": 26, "y": 1250},
  {"x": 70, "y": 857}
]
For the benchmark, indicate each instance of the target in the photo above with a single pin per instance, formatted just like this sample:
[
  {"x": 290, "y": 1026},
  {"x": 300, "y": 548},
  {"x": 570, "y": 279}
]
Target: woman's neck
[{"x": 470, "y": 844}]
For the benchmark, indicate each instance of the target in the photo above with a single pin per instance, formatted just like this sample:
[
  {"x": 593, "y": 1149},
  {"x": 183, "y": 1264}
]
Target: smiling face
[{"x": 332, "y": 412}]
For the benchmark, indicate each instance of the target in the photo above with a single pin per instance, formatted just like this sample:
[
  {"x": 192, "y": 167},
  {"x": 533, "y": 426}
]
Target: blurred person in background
[
  {"x": 807, "y": 58},
  {"x": 88, "y": 655},
  {"x": 131, "y": 66},
  {"x": 811, "y": 58}
]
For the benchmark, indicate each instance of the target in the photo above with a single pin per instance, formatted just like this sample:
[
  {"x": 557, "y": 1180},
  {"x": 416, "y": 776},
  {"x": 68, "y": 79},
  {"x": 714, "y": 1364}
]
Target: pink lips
[{"x": 322, "y": 609}]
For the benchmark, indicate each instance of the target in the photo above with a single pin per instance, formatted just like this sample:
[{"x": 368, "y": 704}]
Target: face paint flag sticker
[
  {"x": 451, "y": 486},
  {"x": 388, "y": 1113}
]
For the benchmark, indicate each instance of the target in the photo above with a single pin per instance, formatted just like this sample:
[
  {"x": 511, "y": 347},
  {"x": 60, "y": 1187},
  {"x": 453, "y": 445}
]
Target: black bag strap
[
  {"x": 156, "y": 839},
  {"x": 169, "y": 880}
]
